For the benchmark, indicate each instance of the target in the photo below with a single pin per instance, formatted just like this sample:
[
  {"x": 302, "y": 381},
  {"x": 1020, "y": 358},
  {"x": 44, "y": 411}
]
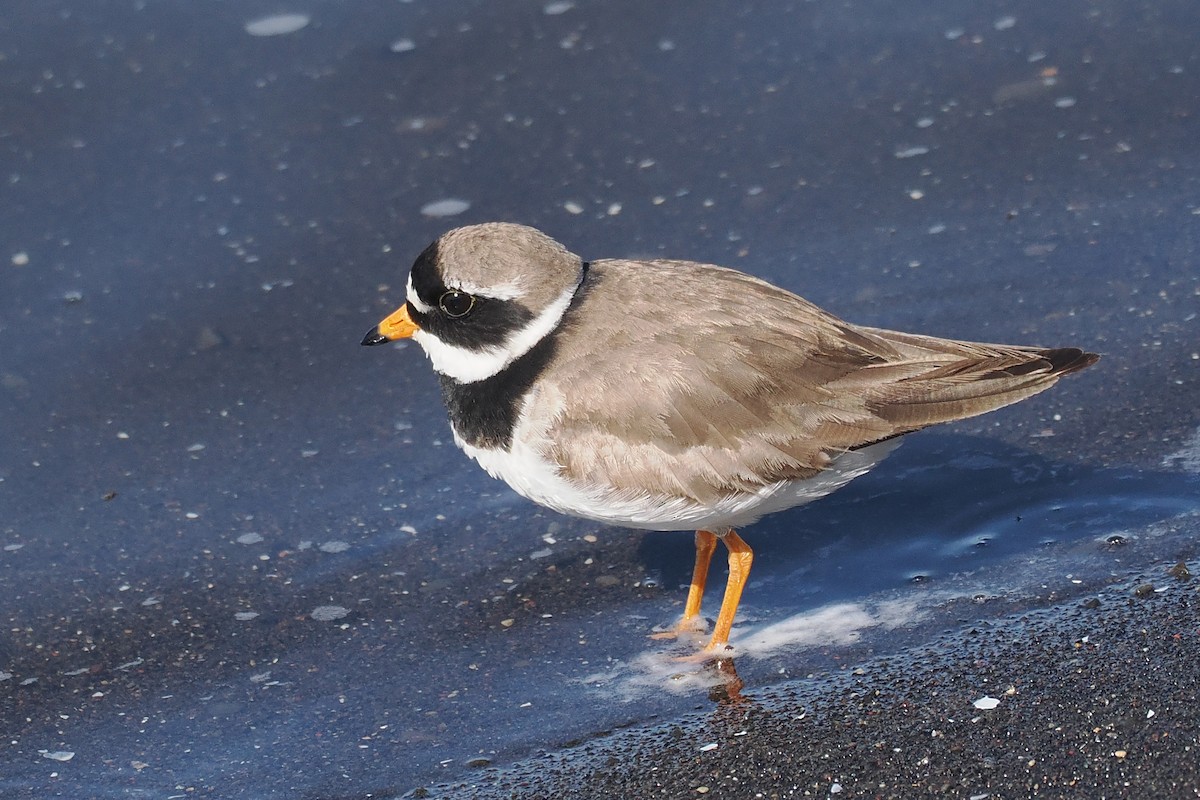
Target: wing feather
[{"x": 667, "y": 391}]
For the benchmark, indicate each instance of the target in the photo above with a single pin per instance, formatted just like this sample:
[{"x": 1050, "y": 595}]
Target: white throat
[{"x": 469, "y": 366}]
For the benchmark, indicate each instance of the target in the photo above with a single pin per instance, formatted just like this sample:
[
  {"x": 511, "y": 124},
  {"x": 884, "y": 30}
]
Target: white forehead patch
[
  {"x": 495, "y": 291},
  {"x": 410, "y": 294}
]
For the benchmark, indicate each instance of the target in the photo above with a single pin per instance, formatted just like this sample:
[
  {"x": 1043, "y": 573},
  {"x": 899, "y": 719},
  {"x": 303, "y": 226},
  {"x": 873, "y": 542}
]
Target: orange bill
[{"x": 397, "y": 325}]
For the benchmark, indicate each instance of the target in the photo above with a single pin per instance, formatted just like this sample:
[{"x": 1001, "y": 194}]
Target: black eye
[{"x": 456, "y": 304}]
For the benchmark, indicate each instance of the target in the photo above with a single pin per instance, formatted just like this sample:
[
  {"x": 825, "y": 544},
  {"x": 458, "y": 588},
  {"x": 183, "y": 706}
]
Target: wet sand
[
  {"x": 1095, "y": 699},
  {"x": 241, "y": 556}
]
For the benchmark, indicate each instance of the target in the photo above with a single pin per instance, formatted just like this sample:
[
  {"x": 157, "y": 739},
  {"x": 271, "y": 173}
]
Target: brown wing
[{"x": 696, "y": 381}]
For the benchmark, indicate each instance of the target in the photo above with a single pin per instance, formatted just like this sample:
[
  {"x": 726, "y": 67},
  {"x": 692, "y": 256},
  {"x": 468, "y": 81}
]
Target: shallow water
[{"x": 241, "y": 554}]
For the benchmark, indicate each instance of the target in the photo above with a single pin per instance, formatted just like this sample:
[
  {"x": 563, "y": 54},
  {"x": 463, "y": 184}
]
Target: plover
[{"x": 672, "y": 395}]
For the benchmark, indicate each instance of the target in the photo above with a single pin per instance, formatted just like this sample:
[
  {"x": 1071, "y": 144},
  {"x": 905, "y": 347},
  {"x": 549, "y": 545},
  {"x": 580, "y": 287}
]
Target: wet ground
[
  {"x": 1084, "y": 699},
  {"x": 240, "y": 554}
]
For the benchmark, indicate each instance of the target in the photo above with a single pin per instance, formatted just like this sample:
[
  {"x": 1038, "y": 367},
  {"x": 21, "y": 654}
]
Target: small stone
[
  {"x": 277, "y": 24},
  {"x": 507, "y": 623},
  {"x": 449, "y": 207},
  {"x": 20, "y": 259},
  {"x": 208, "y": 339},
  {"x": 1180, "y": 572},
  {"x": 1145, "y": 590},
  {"x": 1120, "y": 753},
  {"x": 328, "y": 613},
  {"x": 986, "y": 703}
]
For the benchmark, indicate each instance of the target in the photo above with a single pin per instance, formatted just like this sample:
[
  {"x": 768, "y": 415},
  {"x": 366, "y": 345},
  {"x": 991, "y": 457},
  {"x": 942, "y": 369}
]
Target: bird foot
[{"x": 682, "y": 629}]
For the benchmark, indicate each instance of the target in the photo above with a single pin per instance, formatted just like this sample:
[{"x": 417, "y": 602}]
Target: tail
[{"x": 940, "y": 380}]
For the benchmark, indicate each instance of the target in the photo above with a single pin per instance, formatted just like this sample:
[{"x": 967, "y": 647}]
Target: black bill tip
[{"x": 374, "y": 337}]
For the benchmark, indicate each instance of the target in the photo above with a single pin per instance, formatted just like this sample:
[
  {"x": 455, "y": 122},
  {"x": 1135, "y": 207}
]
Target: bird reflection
[{"x": 727, "y": 690}]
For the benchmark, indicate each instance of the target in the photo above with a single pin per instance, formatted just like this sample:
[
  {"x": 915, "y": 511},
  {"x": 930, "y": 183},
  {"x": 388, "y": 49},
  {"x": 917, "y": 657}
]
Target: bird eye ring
[{"x": 455, "y": 304}]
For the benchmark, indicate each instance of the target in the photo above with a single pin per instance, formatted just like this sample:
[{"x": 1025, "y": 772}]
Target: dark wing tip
[
  {"x": 1055, "y": 361},
  {"x": 1069, "y": 359}
]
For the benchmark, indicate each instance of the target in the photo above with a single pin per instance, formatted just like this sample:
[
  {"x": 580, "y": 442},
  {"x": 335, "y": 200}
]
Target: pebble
[
  {"x": 329, "y": 613},
  {"x": 449, "y": 207},
  {"x": 277, "y": 24}
]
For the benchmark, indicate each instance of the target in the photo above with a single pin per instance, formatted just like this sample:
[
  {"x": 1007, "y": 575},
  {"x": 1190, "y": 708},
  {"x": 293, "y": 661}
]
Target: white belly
[{"x": 532, "y": 476}]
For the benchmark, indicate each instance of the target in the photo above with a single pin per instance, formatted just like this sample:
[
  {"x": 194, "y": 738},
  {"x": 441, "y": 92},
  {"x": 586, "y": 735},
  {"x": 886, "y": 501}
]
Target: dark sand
[{"x": 1096, "y": 699}]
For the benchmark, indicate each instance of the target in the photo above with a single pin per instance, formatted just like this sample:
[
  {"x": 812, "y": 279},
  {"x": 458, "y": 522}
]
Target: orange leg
[
  {"x": 706, "y": 543},
  {"x": 740, "y": 559}
]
